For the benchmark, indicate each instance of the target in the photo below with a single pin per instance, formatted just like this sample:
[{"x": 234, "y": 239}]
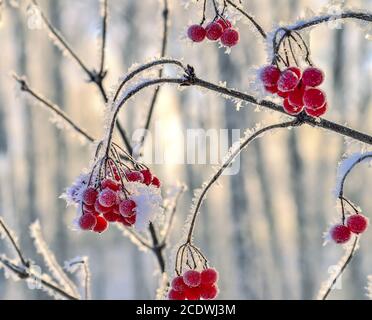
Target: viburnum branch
[
  {"x": 13, "y": 242},
  {"x": 84, "y": 265},
  {"x": 24, "y": 274},
  {"x": 229, "y": 160},
  {"x": 24, "y": 86},
  {"x": 249, "y": 17},
  {"x": 341, "y": 270}
]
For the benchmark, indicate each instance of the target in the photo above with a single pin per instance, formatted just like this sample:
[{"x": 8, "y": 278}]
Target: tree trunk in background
[{"x": 54, "y": 73}]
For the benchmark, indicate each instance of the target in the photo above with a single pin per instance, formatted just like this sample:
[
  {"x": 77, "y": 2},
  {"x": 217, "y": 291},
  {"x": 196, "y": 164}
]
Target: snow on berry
[
  {"x": 295, "y": 97},
  {"x": 214, "y": 31},
  {"x": 101, "y": 209},
  {"x": 111, "y": 216},
  {"x": 128, "y": 221},
  {"x": 269, "y": 75},
  {"x": 288, "y": 80},
  {"x": 291, "y": 109},
  {"x": 87, "y": 221},
  {"x": 178, "y": 284},
  {"x": 101, "y": 225},
  {"x": 357, "y": 223},
  {"x": 192, "y": 278},
  {"x": 296, "y": 70},
  {"x": 209, "y": 276},
  {"x": 147, "y": 176},
  {"x": 273, "y": 89},
  {"x": 73, "y": 194},
  {"x": 314, "y": 98},
  {"x": 155, "y": 182},
  {"x": 90, "y": 195},
  {"x": 230, "y": 37},
  {"x": 107, "y": 198},
  {"x": 313, "y": 77},
  {"x": 110, "y": 184},
  {"x": 196, "y": 33},
  {"x": 340, "y": 233},
  {"x": 127, "y": 207}
]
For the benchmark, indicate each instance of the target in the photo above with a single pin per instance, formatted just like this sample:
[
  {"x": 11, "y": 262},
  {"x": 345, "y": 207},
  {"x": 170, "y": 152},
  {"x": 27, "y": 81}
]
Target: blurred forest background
[{"x": 262, "y": 228}]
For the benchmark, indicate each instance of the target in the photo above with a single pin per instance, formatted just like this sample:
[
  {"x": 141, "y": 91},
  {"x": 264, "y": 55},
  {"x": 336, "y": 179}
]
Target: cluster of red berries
[
  {"x": 107, "y": 203},
  {"x": 195, "y": 285},
  {"x": 298, "y": 89},
  {"x": 221, "y": 29},
  {"x": 355, "y": 223}
]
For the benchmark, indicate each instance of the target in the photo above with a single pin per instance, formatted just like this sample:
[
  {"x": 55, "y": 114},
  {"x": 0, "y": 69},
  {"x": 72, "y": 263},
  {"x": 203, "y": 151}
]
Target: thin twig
[{"x": 103, "y": 38}]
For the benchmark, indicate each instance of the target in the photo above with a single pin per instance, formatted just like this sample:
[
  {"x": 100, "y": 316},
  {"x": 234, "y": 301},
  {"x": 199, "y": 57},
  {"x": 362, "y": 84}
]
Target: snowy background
[{"x": 262, "y": 228}]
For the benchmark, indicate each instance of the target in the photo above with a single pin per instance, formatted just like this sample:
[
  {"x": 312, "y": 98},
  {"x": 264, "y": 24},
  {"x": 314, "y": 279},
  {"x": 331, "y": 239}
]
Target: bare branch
[{"x": 103, "y": 39}]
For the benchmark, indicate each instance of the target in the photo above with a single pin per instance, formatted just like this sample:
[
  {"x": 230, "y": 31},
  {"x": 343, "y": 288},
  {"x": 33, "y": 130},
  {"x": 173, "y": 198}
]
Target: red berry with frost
[
  {"x": 134, "y": 176},
  {"x": 224, "y": 23},
  {"x": 90, "y": 195},
  {"x": 288, "y": 80},
  {"x": 340, "y": 233},
  {"x": 291, "y": 109},
  {"x": 295, "y": 97},
  {"x": 314, "y": 98},
  {"x": 357, "y": 223},
  {"x": 317, "y": 112},
  {"x": 209, "y": 276},
  {"x": 89, "y": 208},
  {"x": 101, "y": 225},
  {"x": 296, "y": 70},
  {"x": 107, "y": 198},
  {"x": 126, "y": 207},
  {"x": 147, "y": 176},
  {"x": 87, "y": 221},
  {"x": 155, "y": 182},
  {"x": 101, "y": 209},
  {"x": 110, "y": 184},
  {"x": 192, "y": 278},
  {"x": 214, "y": 31},
  {"x": 176, "y": 295},
  {"x": 178, "y": 284},
  {"x": 208, "y": 292},
  {"x": 196, "y": 33},
  {"x": 129, "y": 221},
  {"x": 192, "y": 293},
  {"x": 313, "y": 77},
  {"x": 270, "y": 75},
  {"x": 230, "y": 37},
  {"x": 273, "y": 89},
  {"x": 283, "y": 94},
  {"x": 111, "y": 216}
]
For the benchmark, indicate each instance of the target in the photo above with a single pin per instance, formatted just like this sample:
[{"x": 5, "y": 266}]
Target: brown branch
[{"x": 103, "y": 39}]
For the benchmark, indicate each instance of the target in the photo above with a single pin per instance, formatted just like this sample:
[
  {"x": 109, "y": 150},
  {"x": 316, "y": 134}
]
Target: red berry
[
  {"x": 269, "y": 75},
  {"x": 192, "y": 278},
  {"x": 110, "y": 184},
  {"x": 89, "y": 209},
  {"x": 192, "y": 293},
  {"x": 101, "y": 225},
  {"x": 126, "y": 208},
  {"x": 230, "y": 37},
  {"x": 129, "y": 221},
  {"x": 317, "y": 112},
  {"x": 357, "y": 223},
  {"x": 314, "y": 98},
  {"x": 147, "y": 176},
  {"x": 196, "y": 33},
  {"x": 176, "y": 295},
  {"x": 111, "y": 216},
  {"x": 291, "y": 109},
  {"x": 101, "y": 209},
  {"x": 225, "y": 24},
  {"x": 296, "y": 70},
  {"x": 155, "y": 182},
  {"x": 90, "y": 195},
  {"x": 283, "y": 94},
  {"x": 273, "y": 89},
  {"x": 209, "y": 292},
  {"x": 340, "y": 233},
  {"x": 313, "y": 77},
  {"x": 178, "y": 284},
  {"x": 295, "y": 97},
  {"x": 107, "y": 198},
  {"x": 209, "y": 276},
  {"x": 214, "y": 31},
  {"x": 288, "y": 80},
  {"x": 134, "y": 176},
  {"x": 87, "y": 221}
]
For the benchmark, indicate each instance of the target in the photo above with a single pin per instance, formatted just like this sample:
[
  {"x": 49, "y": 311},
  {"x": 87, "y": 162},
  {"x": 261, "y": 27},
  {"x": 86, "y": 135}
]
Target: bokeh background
[{"x": 262, "y": 228}]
